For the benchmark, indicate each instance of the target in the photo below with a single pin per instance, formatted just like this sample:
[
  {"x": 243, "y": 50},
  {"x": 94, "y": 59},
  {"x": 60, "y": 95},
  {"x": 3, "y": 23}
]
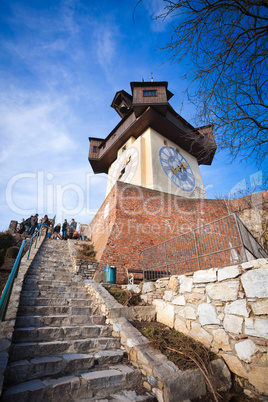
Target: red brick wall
[
  {"x": 253, "y": 200},
  {"x": 139, "y": 218}
]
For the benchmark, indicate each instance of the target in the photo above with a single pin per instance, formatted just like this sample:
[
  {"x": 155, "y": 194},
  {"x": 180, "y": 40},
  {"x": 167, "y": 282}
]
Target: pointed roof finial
[{"x": 152, "y": 77}]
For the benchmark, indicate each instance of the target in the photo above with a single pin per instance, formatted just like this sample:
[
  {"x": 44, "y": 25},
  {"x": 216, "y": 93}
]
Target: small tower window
[
  {"x": 149, "y": 93},
  {"x": 95, "y": 149}
]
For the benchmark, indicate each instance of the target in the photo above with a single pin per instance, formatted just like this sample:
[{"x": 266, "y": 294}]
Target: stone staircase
[{"x": 61, "y": 348}]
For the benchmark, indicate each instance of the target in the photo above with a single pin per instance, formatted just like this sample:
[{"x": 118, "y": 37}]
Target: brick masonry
[{"x": 133, "y": 218}]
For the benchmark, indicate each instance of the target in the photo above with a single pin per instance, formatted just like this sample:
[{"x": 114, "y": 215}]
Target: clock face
[
  {"x": 126, "y": 165},
  {"x": 177, "y": 168}
]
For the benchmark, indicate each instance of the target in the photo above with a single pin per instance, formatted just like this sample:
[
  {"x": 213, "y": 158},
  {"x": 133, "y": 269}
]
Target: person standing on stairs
[
  {"x": 56, "y": 233},
  {"x": 34, "y": 221},
  {"x": 64, "y": 229},
  {"x": 72, "y": 228}
]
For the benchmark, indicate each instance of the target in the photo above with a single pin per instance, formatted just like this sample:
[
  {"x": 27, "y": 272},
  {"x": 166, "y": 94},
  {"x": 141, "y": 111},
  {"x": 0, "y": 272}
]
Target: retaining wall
[
  {"x": 224, "y": 308},
  {"x": 7, "y": 326},
  {"x": 160, "y": 376}
]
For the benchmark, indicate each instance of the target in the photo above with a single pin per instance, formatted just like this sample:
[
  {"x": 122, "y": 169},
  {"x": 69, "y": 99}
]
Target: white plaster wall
[
  {"x": 150, "y": 174},
  {"x": 161, "y": 181}
]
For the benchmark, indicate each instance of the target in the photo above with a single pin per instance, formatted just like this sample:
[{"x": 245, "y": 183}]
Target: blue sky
[{"x": 61, "y": 63}]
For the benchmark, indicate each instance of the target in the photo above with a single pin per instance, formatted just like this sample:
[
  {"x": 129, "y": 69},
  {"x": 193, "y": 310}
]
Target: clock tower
[{"x": 153, "y": 146}]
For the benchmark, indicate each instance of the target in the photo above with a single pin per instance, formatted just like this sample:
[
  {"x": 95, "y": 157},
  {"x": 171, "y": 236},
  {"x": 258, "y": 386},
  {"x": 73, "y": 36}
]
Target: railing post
[
  {"x": 240, "y": 235},
  {"x": 36, "y": 239},
  {"x": 28, "y": 255},
  {"x": 141, "y": 262},
  {"x": 195, "y": 242},
  {"x": 166, "y": 257}
]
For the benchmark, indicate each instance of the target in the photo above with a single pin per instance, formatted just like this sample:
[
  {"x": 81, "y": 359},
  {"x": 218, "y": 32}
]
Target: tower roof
[{"x": 147, "y": 107}]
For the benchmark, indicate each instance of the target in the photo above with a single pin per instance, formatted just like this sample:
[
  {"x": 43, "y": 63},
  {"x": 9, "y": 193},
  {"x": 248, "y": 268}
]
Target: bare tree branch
[{"x": 226, "y": 45}]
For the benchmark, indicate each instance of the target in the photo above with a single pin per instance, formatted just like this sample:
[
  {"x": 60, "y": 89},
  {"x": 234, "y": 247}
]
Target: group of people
[
  {"x": 68, "y": 231},
  {"x": 29, "y": 226}
]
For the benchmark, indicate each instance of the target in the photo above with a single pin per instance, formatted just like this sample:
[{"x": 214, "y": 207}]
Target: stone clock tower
[{"x": 153, "y": 146}]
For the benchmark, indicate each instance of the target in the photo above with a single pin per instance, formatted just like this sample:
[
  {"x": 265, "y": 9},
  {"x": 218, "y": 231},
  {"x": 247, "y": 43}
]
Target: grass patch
[
  {"x": 86, "y": 252},
  {"x": 125, "y": 297},
  {"x": 167, "y": 340}
]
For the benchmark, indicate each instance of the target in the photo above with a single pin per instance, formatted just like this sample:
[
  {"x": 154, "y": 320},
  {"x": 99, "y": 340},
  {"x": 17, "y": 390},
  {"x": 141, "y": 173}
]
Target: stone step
[
  {"x": 53, "y": 284},
  {"x": 127, "y": 396},
  {"x": 56, "y": 262},
  {"x": 55, "y": 302},
  {"x": 76, "y": 287},
  {"x": 61, "y": 350},
  {"x": 74, "y": 388},
  {"x": 30, "y": 350},
  {"x": 82, "y": 294},
  {"x": 48, "y": 278},
  {"x": 51, "y": 274},
  {"x": 42, "y": 334},
  {"x": 51, "y": 269},
  {"x": 58, "y": 320},
  {"x": 58, "y": 256},
  {"x": 51, "y": 310},
  {"x": 26, "y": 370}
]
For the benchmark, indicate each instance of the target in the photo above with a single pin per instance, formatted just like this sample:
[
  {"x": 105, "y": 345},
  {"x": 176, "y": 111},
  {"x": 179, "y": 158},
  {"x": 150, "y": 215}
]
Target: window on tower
[
  {"x": 95, "y": 149},
  {"x": 149, "y": 93}
]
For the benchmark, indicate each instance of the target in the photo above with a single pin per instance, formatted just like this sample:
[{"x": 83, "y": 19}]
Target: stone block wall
[
  {"x": 85, "y": 268},
  {"x": 160, "y": 376},
  {"x": 226, "y": 309},
  {"x": 7, "y": 326},
  {"x": 253, "y": 211}
]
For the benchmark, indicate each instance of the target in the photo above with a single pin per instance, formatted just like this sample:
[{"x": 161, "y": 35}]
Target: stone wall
[
  {"x": 86, "y": 268},
  {"x": 226, "y": 309},
  {"x": 253, "y": 211},
  {"x": 160, "y": 376},
  {"x": 7, "y": 326}
]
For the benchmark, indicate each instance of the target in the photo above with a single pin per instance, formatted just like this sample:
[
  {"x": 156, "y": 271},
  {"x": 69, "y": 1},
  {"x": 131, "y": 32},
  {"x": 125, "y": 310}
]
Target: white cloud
[
  {"x": 31, "y": 125},
  {"x": 156, "y": 8},
  {"x": 105, "y": 44}
]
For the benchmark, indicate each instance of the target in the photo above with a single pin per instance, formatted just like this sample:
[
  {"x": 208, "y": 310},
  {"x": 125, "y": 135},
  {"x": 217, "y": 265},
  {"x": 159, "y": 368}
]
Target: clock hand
[
  {"x": 124, "y": 167},
  {"x": 180, "y": 168}
]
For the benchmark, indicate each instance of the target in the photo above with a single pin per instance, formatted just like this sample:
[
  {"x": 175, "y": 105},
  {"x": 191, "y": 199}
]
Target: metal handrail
[
  {"x": 4, "y": 301},
  {"x": 215, "y": 248}
]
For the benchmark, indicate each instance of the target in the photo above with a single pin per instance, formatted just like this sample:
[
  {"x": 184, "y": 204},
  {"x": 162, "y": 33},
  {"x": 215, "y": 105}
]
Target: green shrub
[
  {"x": 2, "y": 256},
  {"x": 6, "y": 240},
  {"x": 12, "y": 252}
]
